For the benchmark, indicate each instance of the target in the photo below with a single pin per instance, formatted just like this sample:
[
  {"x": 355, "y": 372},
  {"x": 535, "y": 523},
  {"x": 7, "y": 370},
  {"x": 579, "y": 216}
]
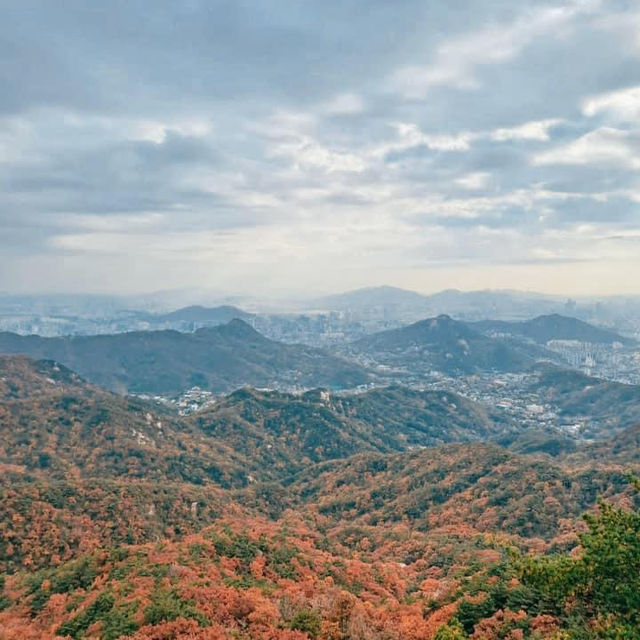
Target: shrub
[
  {"x": 308, "y": 622},
  {"x": 167, "y": 605}
]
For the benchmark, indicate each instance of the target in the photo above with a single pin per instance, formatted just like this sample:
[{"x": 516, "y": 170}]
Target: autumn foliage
[{"x": 121, "y": 521}]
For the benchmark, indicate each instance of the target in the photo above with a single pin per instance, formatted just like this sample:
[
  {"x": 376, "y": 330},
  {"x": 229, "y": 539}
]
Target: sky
[{"x": 293, "y": 146}]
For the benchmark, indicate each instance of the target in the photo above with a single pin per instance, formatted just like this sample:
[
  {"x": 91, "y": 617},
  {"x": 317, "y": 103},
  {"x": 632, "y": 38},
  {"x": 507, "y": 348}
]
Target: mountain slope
[
  {"x": 603, "y": 406},
  {"x": 299, "y": 578},
  {"x": 372, "y": 297},
  {"x": 81, "y": 464},
  {"x": 280, "y": 434},
  {"x": 482, "y": 487},
  {"x": 52, "y": 422},
  {"x": 219, "y": 358},
  {"x": 446, "y": 345},
  {"x": 82, "y": 468},
  {"x": 552, "y": 327},
  {"x": 243, "y": 579},
  {"x": 622, "y": 449},
  {"x": 199, "y": 315}
]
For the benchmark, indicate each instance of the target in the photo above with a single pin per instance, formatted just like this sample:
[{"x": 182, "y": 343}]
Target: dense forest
[{"x": 386, "y": 515}]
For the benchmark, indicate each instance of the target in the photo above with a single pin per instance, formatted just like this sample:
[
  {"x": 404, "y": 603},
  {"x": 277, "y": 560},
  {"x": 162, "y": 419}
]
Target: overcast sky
[{"x": 316, "y": 146}]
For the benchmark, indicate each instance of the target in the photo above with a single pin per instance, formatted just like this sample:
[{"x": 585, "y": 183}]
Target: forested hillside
[
  {"x": 283, "y": 433},
  {"x": 482, "y": 488},
  {"x": 449, "y": 346},
  {"x": 220, "y": 358},
  {"x": 296, "y": 579},
  {"x": 609, "y": 407},
  {"x": 55, "y": 423},
  {"x": 53, "y": 420},
  {"x": 382, "y": 515}
]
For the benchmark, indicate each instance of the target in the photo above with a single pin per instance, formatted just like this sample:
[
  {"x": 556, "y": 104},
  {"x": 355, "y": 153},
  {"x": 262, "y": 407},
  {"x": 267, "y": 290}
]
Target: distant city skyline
[{"x": 288, "y": 148}]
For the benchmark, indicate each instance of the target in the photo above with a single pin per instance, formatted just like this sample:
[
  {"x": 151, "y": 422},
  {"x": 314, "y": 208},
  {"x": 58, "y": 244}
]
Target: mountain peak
[
  {"x": 208, "y": 315},
  {"x": 372, "y": 297},
  {"x": 235, "y": 328},
  {"x": 442, "y": 322},
  {"x": 240, "y": 328},
  {"x": 21, "y": 376}
]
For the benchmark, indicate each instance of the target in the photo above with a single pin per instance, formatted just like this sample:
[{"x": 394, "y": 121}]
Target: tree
[
  {"x": 451, "y": 631},
  {"x": 307, "y": 621},
  {"x": 597, "y": 592}
]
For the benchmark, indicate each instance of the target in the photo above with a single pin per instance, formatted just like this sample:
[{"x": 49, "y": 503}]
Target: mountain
[
  {"x": 218, "y": 358},
  {"x": 280, "y": 434},
  {"x": 198, "y": 315},
  {"x": 312, "y": 574},
  {"x": 543, "y": 329},
  {"x": 79, "y": 465},
  {"x": 505, "y": 304},
  {"x": 53, "y": 421},
  {"x": 446, "y": 345},
  {"x": 403, "y": 305},
  {"x": 622, "y": 449},
  {"x": 71, "y": 451},
  {"x": 245, "y": 578},
  {"x": 371, "y": 297},
  {"x": 122, "y": 519},
  {"x": 553, "y": 442},
  {"x": 602, "y": 407},
  {"x": 480, "y": 486}
]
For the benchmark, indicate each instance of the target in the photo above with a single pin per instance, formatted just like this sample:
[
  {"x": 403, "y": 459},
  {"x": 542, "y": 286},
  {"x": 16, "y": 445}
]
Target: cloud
[
  {"x": 326, "y": 145},
  {"x": 623, "y": 23},
  {"x": 456, "y": 60},
  {"x": 305, "y": 153},
  {"x": 473, "y": 181},
  {"x": 622, "y": 105},
  {"x": 604, "y": 146},
  {"x": 534, "y": 130},
  {"x": 411, "y": 136},
  {"x": 345, "y": 104}
]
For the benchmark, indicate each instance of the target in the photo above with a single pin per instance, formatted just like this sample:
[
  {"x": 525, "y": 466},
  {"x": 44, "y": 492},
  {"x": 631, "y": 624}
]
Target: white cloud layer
[
  {"x": 623, "y": 105},
  {"x": 320, "y": 146},
  {"x": 605, "y": 147}
]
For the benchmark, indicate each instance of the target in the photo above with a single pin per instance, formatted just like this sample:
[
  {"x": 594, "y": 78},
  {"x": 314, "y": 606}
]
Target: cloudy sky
[{"x": 297, "y": 145}]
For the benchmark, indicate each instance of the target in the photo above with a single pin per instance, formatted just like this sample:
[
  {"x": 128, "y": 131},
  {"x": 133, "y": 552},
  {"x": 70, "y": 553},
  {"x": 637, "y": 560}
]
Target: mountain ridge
[
  {"x": 447, "y": 345},
  {"x": 545, "y": 328},
  {"x": 218, "y": 358}
]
